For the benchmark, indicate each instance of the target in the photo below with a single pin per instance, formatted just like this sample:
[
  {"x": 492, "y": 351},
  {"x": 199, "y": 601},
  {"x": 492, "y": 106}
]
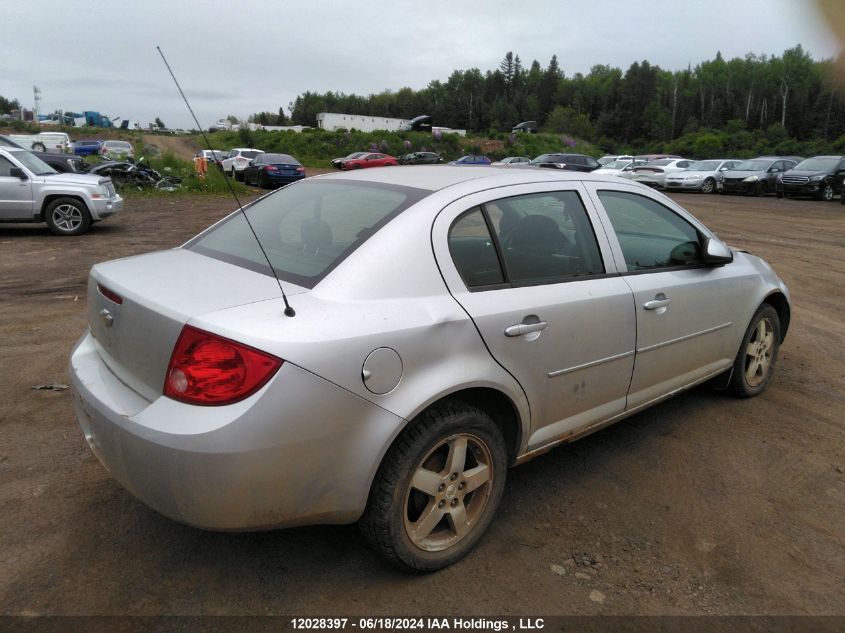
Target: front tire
[
  {"x": 826, "y": 192},
  {"x": 709, "y": 186},
  {"x": 437, "y": 488},
  {"x": 67, "y": 216},
  {"x": 755, "y": 361}
]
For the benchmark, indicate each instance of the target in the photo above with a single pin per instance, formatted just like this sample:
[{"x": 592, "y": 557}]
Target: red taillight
[
  {"x": 110, "y": 294},
  {"x": 271, "y": 168},
  {"x": 300, "y": 169},
  {"x": 208, "y": 369}
]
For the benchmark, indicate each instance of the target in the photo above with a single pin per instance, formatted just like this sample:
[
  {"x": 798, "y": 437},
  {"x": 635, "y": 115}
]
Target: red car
[{"x": 360, "y": 160}]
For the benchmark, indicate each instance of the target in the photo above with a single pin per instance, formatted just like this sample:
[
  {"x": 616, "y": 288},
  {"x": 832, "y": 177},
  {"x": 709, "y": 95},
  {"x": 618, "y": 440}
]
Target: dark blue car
[
  {"x": 269, "y": 170},
  {"x": 87, "y": 148}
]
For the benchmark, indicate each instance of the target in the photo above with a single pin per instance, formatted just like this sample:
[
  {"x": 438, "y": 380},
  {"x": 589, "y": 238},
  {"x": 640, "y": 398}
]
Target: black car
[
  {"x": 570, "y": 162},
  {"x": 64, "y": 163},
  {"x": 268, "y": 170},
  {"x": 818, "y": 177},
  {"x": 420, "y": 158},
  {"x": 756, "y": 176}
]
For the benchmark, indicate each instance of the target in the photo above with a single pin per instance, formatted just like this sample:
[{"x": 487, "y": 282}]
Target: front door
[{"x": 683, "y": 334}]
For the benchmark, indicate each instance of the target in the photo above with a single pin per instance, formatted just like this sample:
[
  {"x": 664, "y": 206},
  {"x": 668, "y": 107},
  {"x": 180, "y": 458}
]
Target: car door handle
[
  {"x": 525, "y": 328},
  {"x": 656, "y": 303}
]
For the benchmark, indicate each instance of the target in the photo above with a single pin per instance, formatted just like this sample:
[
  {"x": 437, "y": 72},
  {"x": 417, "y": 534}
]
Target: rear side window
[
  {"x": 651, "y": 236},
  {"x": 535, "y": 239},
  {"x": 307, "y": 229}
]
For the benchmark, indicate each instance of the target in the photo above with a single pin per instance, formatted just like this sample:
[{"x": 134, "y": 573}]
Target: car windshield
[
  {"x": 548, "y": 158},
  {"x": 753, "y": 165},
  {"x": 358, "y": 155},
  {"x": 34, "y": 164},
  {"x": 118, "y": 144},
  {"x": 306, "y": 229},
  {"x": 661, "y": 161},
  {"x": 705, "y": 165},
  {"x": 617, "y": 164},
  {"x": 819, "y": 163}
]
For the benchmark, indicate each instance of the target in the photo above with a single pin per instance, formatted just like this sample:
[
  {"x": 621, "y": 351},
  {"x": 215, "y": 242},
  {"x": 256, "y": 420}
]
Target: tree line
[{"x": 639, "y": 107}]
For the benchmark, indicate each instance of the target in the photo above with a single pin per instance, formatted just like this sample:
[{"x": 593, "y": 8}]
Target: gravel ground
[{"x": 702, "y": 505}]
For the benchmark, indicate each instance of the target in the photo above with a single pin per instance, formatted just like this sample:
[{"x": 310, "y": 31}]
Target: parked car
[
  {"x": 445, "y": 322},
  {"x": 237, "y": 160},
  {"x": 653, "y": 174},
  {"x": 471, "y": 159},
  {"x": 702, "y": 175},
  {"x": 569, "y": 162},
  {"x": 513, "y": 160},
  {"x": 757, "y": 176},
  {"x": 268, "y": 170},
  {"x": 338, "y": 162},
  {"x": 529, "y": 127},
  {"x": 420, "y": 158},
  {"x": 117, "y": 150},
  {"x": 86, "y": 147},
  {"x": 43, "y": 141},
  {"x": 360, "y": 160},
  {"x": 64, "y": 163},
  {"x": 618, "y": 165},
  {"x": 818, "y": 177},
  {"x": 32, "y": 191}
]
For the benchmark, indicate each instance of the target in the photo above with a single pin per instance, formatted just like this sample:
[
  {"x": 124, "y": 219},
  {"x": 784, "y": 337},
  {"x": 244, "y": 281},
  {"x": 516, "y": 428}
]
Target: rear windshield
[
  {"x": 306, "y": 229},
  {"x": 279, "y": 158},
  {"x": 122, "y": 144},
  {"x": 250, "y": 154}
]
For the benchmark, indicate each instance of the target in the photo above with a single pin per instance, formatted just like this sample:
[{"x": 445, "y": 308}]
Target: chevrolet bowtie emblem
[{"x": 108, "y": 319}]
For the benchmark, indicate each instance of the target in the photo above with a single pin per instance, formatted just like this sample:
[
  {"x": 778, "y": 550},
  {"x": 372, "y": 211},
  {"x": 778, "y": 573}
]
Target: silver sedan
[{"x": 444, "y": 325}]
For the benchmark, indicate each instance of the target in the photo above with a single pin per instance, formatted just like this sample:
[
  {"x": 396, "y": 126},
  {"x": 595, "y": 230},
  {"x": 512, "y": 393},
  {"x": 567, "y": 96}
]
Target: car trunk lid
[{"x": 137, "y": 307}]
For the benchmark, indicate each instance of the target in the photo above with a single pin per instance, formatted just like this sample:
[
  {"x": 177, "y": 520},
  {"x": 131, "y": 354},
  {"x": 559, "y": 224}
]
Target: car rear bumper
[{"x": 299, "y": 451}]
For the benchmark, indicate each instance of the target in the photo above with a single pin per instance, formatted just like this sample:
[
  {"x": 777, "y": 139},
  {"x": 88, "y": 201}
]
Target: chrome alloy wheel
[
  {"x": 758, "y": 353},
  {"x": 67, "y": 217},
  {"x": 448, "y": 492}
]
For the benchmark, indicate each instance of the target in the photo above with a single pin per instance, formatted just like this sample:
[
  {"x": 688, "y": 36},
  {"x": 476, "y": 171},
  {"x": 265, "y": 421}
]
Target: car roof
[{"x": 437, "y": 177}]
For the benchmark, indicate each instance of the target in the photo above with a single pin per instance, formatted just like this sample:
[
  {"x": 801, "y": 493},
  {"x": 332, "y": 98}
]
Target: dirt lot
[{"x": 702, "y": 505}]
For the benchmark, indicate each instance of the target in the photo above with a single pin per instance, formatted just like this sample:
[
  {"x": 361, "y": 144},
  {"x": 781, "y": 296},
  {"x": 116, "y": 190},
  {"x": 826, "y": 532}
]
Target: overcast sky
[{"x": 244, "y": 56}]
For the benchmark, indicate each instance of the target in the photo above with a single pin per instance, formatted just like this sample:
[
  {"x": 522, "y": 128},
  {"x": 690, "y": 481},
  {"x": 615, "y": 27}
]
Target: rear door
[
  {"x": 683, "y": 308},
  {"x": 532, "y": 268}
]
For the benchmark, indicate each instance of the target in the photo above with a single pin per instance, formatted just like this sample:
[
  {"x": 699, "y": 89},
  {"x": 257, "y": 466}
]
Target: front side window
[
  {"x": 651, "y": 236},
  {"x": 5, "y": 167},
  {"x": 536, "y": 239}
]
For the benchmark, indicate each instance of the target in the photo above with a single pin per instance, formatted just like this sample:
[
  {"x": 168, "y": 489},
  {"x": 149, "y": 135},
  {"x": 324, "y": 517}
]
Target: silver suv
[{"x": 32, "y": 191}]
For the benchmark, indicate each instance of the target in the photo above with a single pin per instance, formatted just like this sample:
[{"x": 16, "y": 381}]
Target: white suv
[{"x": 237, "y": 160}]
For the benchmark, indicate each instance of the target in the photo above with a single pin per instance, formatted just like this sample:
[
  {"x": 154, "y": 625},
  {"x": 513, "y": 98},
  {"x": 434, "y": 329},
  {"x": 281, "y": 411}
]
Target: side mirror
[
  {"x": 716, "y": 252},
  {"x": 723, "y": 169},
  {"x": 774, "y": 170},
  {"x": 17, "y": 172}
]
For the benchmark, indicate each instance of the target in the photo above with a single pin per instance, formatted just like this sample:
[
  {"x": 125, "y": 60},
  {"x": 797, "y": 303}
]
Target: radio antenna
[{"x": 289, "y": 312}]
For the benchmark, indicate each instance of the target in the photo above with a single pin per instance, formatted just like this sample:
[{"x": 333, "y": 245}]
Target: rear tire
[
  {"x": 39, "y": 147},
  {"x": 67, "y": 216},
  {"x": 757, "y": 355},
  {"x": 437, "y": 488}
]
